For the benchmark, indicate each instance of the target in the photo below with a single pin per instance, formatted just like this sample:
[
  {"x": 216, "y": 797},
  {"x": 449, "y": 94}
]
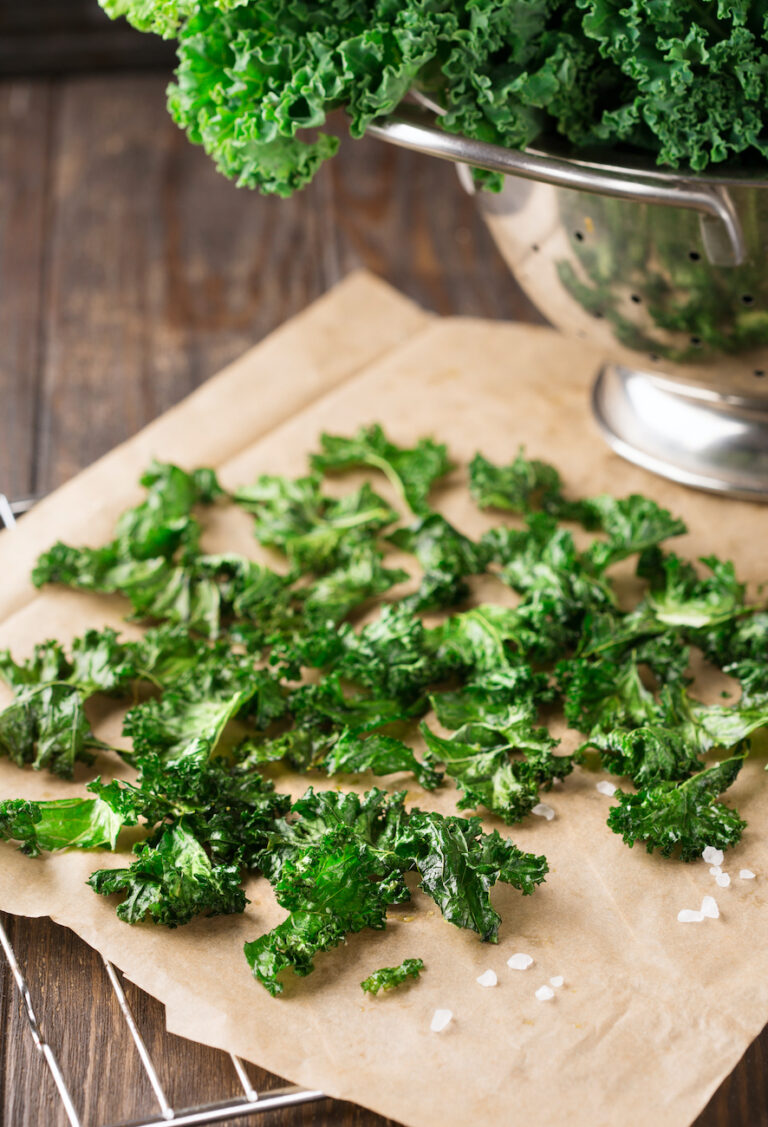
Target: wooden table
[{"x": 129, "y": 273}]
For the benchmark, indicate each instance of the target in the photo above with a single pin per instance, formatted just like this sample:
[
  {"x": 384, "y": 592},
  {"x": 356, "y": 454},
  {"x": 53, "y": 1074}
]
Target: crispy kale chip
[
  {"x": 62, "y": 823},
  {"x": 389, "y": 978},
  {"x": 314, "y": 531},
  {"x": 447, "y": 557},
  {"x": 685, "y": 814},
  {"x": 525, "y": 486},
  {"x": 411, "y": 471},
  {"x": 481, "y": 761},
  {"x": 46, "y": 725},
  {"x": 342, "y": 863},
  {"x": 172, "y": 881}
]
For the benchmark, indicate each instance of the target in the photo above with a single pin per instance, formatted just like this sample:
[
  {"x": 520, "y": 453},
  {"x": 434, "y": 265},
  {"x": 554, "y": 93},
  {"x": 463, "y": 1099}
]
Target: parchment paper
[{"x": 653, "y": 1014}]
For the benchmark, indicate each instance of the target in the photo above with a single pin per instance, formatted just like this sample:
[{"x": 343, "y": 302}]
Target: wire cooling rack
[{"x": 251, "y": 1104}]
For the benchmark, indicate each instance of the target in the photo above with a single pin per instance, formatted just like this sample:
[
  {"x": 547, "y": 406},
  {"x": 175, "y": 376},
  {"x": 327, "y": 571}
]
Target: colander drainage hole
[
  {"x": 578, "y": 236},
  {"x": 694, "y": 255},
  {"x": 696, "y": 342},
  {"x": 535, "y": 248},
  {"x": 636, "y": 298},
  {"x": 747, "y": 299},
  {"x": 759, "y": 372}
]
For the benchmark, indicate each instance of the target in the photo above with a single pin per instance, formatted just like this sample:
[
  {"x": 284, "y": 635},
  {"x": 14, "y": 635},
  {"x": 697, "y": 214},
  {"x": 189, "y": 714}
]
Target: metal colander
[{"x": 665, "y": 273}]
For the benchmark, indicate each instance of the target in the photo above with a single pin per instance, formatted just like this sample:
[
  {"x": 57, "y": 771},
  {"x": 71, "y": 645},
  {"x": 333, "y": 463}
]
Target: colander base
[{"x": 708, "y": 443}]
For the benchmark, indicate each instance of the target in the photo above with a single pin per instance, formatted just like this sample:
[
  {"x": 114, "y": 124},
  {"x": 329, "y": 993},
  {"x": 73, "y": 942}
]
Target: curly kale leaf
[
  {"x": 459, "y": 864},
  {"x": 155, "y": 561},
  {"x": 255, "y": 82},
  {"x": 172, "y": 881},
  {"x": 394, "y": 656},
  {"x": 681, "y": 814},
  {"x": 648, "y": 755},
  {"x": 170, "y": 725},
  {"x": 389, "y": 978},
  {"x": 314, "y": 531},
  {"x": 480, "y": 762},
  {"x": 359, "y": 578},
  {"x": 681, "y": 599},
  {"x": 632, "y": 524},
  {"x": 446, "y": 557},
  {"x": 599, "y": 695},
  {"x": 62, "y": 823},
  {"x": 478, "y": 640},
  {"x": 525, "y": 486},
  {"x": 373, "y": 818},
  {"x": 230, "y": 808},
  {"x": 339, "y": 865},
  {"x": 163, "y": 521},
  {"x": 334, "y": 888},
  {"x": 46, "y": 727},
  {"x": 411, "y": 471},
  {"x": 499, "y": 699},
  {"x": 380, "y": 754},
  {"x": 558, "y": 586}
]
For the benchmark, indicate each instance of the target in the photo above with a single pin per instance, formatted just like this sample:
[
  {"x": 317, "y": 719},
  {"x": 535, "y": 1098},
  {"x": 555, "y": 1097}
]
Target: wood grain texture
[{"x": 129, "y": 273}]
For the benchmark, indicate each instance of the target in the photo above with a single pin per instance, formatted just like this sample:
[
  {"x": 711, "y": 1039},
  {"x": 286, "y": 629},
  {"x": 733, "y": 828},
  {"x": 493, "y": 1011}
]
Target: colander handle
[{"x": 721, "y": 229}]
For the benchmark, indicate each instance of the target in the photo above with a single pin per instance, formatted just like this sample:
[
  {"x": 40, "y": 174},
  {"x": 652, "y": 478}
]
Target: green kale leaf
[
  {"x": 312, "y": 530},
  {"x": 172, "y": 881},
  {"x": 411, "y": 471},
  {"x": 681, "y": 814},
  {"x": 388, "y": 978},
  {"x": 62, "y": 823}
]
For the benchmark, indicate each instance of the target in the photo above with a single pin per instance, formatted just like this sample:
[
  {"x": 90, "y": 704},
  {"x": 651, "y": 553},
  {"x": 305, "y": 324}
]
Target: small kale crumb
[{"x": 390, "y": 977}]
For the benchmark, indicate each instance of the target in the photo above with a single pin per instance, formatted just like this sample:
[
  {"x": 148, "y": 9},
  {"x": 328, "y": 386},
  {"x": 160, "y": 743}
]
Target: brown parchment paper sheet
[{"x": 653, "y": 1014}]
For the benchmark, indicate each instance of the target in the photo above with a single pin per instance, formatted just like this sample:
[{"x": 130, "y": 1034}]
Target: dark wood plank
[
  {"x": 24, "y": 159},
  {"x": 51, "y": 37},
  {"x": 130, "y": 272}
]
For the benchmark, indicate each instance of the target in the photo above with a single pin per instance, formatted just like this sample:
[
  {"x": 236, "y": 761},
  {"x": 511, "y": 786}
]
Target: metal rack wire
[{"x": 251, "y": 1104}]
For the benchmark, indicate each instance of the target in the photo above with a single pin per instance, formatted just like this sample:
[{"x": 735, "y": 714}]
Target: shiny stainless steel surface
[
  {"x": 699, "y": 441},
  {"x": 666, "y": 275}
]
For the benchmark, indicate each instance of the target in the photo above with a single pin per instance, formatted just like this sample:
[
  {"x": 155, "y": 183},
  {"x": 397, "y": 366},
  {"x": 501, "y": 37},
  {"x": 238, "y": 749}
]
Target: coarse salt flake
[
  {"x": 747, "y": 874},
  {"x": 606, "y": 788},
  {"x": 519, "y": 961},
  {"x": 543, "y": 811},
  {"x": 545, "y": 994},
  {"x": 723, "y": 880},
  {"x": 440, "y": 1020},
  {"x": 715, "y": 870},
  {"x": 689, "y": 916},
  {"x": 709, "y": 908},
  {"x": 488, "y": 978},
  {"x": 558, "y": 980},
  {"x": 713, "y": 856}
]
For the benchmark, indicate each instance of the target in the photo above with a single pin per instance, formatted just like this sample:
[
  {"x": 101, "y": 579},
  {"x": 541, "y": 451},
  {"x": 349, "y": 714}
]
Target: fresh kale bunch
[
  {"x": 243, "y": 671},
  {"x": 256, "y": 80}
]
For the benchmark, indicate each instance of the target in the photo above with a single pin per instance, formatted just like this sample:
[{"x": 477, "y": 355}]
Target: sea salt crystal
[
  {"x": 747, "y": 874},
  {"x": 713, "y": 856},
  {"x": 715, "y": 870},
  {"x": 440, "y": 1020},
  {"x": 543, "y": 811},
  {"x": 519, "y": 961},
  {"x": 689, "y": 916},
  {"x": 723, "y": 880},
  {"x": 709, "y": 908},
  {"x": 488, "y": 978},
  {"x": 606, "y": 788},
  {"x": 558, "y": 980},
  {"x": 545, "y": 994}
]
